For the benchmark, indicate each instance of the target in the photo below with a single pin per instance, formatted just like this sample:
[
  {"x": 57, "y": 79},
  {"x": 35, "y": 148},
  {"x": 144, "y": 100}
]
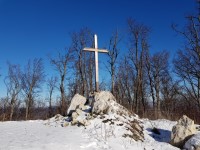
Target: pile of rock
[
  {"x": 56, "y": 121},
  {"x": 102, "y": 110},
  {"x": 105, "y": 107},
  {"x": 78, "y": 111},
  {"x": 81, "y": 116}
]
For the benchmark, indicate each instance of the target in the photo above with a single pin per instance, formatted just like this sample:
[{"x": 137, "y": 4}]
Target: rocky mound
[{"x": 103, "y": 113}]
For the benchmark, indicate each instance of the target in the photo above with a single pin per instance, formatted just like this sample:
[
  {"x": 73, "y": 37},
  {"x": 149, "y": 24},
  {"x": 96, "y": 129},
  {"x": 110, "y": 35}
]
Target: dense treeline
[{"x": 146, "y": 83}]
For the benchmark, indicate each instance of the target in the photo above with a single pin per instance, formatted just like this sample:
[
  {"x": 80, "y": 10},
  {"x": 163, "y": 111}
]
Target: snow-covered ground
[{"x": 49, "y": 135}]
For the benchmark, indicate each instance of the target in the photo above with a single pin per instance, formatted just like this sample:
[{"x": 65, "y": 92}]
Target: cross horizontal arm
[{"x": 94, "y": 49}]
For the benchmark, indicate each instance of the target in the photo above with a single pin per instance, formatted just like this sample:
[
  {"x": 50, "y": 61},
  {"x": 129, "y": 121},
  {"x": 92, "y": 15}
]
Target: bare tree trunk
[
  {"x": 113, "y": 80},
  {"x": 85, "y": 85},
  {"x": 11, "y": 112},
  {"x": 12, "y": 108},
  {"x": 62, "y": 92},
  {"x": 4, "y": 116},
  {"x": 61, "y": 64},
  {"x": 82, "y": 77},
  {"x": 91, "y": 73},
  {"x": 32, "y": 78},
  {"x": 113, "y": 55},
  {"x": 50, "y": 104},
  {"x": 148, "y": 66},
  {"x": 157, "y": 87},
  {"x": 27, "y": 110},
  {"x": 28, "y": 106},
  {"x": 14, "y": 85},
  {"x": 137, "y": 74},
  {"x": 198, "y": 90},
  {"x": 51, "y": 84}
]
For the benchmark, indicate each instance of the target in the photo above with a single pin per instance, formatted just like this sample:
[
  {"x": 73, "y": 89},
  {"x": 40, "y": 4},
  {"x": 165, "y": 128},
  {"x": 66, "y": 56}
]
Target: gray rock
[
  {"x": 182, "y": 131},
  {"x": 74, "y": 122},
  {"x": 65, "y": 124},
  {"x": 193, "y": 143},
  {"x": 84, "y": 122},
  {"x": 105, "y": 103},
  {"x": 74, "y": 115},
  {"x": 82, "y": 107},
  {"x": 75, "y": 102},
  {"x": 78, "y": 111}
]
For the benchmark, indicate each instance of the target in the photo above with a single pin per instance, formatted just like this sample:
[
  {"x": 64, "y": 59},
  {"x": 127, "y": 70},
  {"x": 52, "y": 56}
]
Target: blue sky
[{"x": 36, "y": 28}]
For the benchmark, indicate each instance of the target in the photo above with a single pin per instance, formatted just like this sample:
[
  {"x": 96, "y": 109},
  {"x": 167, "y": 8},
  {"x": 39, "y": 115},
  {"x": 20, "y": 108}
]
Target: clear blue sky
[{"x": 35, "y": 28}]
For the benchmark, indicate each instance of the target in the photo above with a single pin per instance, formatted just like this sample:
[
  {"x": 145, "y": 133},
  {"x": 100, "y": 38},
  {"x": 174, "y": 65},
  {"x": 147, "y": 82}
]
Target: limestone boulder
[
  {"x": 74, "y": 115},
  {"x": 182, "y": 131},
  {"x": 65, "y": 124},
  {"x": 82, "y": 107},
  {"x": 57, "y": 117},
  {"x": 193, "y": 143},
  {"x": 105, "y": 103},
  {"x": 75, "y": 102},
  {"x": 102, "y": 102},
  {"x": 80, "y": 116},
  {"x": 84, "y": 122},
  {"x": 79, "y": 111}
]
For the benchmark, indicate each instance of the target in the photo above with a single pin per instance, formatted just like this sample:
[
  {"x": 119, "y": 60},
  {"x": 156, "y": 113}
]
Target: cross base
[{"x": 97, "y": 87}]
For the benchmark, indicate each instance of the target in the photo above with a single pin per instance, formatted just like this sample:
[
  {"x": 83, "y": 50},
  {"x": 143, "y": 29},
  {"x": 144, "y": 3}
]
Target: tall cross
[{"x": 96, "y": 50}]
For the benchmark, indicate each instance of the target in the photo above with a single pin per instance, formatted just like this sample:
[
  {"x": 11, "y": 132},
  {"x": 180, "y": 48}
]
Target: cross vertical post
[
  {"x": 96, "y": 50},
  {"x": 96, "y": 64}
]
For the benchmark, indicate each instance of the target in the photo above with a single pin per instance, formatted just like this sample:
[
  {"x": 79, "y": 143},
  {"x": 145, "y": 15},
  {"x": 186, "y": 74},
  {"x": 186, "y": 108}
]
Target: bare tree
[
  {"x": 13, "y": 84},
  {"x": 124, "y": 83},
  {"x": 113, "y": 55},
  {"x": 32, "y": 79},
  {"x": 170, "y": 91},
  {"x": 51, "y": 85},
  {"x": 159, "y": 68},
  {"x": 61, "y": 64},
  {"x": 149, "y": 71},
  {"x": 83, "y": 64},
  {"x": 187, "y": 61},
  {"x": 4, "y": 104},
  {"x": 138, "y": 36}
]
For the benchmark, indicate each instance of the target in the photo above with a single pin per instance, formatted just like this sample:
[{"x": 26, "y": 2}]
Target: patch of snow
[
  {"x": 111, "y": 127},
  {"x": 34, "y": 135},
  {"x": 164, "y": 127}
]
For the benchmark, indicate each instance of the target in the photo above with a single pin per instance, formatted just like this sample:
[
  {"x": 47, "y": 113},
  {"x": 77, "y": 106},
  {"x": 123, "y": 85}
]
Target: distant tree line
[{"x": 146, "y": 83}]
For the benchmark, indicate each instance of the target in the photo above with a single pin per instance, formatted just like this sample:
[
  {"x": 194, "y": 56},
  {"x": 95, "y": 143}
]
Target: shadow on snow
[{"x": 162, "y": 136}]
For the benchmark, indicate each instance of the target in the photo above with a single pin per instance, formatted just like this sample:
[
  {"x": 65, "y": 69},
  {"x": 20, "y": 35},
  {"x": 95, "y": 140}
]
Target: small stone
[
  {"x": 78, "y": 111},
  {"x": 74, "y": 115},
  {"x": 84, "y": 122},
  {"x": 65, "y": 124},
  {"x": 74, "y": 122}
]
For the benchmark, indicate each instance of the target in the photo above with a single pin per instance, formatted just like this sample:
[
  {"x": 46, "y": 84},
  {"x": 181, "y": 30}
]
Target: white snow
[{"x": 50, "y": 135}]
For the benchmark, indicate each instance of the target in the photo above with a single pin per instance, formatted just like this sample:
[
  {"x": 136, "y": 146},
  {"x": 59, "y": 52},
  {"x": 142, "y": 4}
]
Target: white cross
[{"x": 96, "y": 50}]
